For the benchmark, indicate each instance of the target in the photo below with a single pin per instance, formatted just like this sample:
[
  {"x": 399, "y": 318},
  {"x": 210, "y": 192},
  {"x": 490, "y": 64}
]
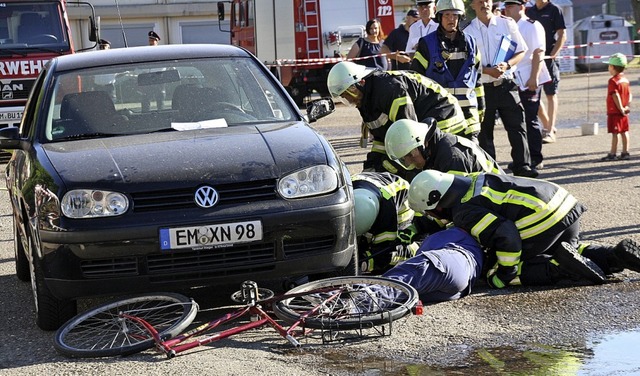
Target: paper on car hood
[{"x": 190, "y": 158}]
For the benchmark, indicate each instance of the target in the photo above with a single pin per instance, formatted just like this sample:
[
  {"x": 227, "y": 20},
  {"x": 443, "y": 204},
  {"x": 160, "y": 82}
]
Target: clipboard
[
  {"x": 506, "y": 50},
  {"x": 523, "y": 73}
]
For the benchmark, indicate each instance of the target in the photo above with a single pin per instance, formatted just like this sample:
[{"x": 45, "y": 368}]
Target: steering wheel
[
  {"x": 235, "y": 112},
  {"x": 43, "y": 39}
]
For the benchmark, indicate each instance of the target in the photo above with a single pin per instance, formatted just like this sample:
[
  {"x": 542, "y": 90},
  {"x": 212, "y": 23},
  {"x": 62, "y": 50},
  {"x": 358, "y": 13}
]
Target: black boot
[
  {"x": 570, "y": 261},
  {"x": 628, "y": 254}
]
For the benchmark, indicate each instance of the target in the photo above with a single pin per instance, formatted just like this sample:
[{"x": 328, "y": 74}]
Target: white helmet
[
  {"x": 405, "y": 135},
  {"x": 366, "y": 206},
  {"x": 345, "y": 74},
  {"x": 456, "y": 6},
  {"x": 428, "y": 188}
]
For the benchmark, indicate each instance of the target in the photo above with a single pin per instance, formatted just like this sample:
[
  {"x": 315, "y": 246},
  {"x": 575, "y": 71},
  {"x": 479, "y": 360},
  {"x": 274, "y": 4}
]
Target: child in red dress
[{"x": 618, "y": 99}]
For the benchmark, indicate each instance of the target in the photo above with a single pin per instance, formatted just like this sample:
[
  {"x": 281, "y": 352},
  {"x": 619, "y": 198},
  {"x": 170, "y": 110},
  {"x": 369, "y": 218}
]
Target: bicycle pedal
[{"x": 418, "y": 309}]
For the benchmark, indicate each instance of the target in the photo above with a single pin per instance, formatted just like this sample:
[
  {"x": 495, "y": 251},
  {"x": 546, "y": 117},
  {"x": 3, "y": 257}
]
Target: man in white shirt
[
  {"x": 528, "y": 74},
  {"x": 427, "y": 10},
  {"x": 501, "y": 91}
]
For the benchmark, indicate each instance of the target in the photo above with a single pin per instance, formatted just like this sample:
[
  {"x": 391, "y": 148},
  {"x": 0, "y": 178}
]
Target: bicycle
[{"x": 135, "y": 324}]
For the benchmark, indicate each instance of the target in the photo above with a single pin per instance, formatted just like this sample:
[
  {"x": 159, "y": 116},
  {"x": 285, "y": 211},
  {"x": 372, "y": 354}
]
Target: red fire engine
[
  {"x": 31, "y": 33},
  {"x": 301, "y": 39}
]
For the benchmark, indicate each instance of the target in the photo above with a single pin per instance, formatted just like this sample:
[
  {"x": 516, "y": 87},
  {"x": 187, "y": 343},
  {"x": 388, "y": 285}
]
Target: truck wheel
[
  {"x": 297, "y": 95},
  {"x": 22, "y": 262},
  {"x": 51, "y": 312}
]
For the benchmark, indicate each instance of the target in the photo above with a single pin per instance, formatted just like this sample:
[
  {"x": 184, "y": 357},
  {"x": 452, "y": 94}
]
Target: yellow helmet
[{"x": 405, "y": 135}]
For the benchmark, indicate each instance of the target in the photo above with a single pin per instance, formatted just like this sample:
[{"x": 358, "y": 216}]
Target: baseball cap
[
  {"x": 413, "y": 13},
  {"x": 617, "y": 59},
  {"x": 516, "y": 2}
]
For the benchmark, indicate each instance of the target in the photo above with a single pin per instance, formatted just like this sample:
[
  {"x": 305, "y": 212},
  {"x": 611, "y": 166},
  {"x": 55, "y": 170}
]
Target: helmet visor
[
  {"x": 406, "y": 161},
  {"x": 349, "y": 97}
]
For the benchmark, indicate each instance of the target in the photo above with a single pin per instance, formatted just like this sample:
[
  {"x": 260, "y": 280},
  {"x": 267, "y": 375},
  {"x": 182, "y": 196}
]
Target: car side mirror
[
  {"x": 320, "y": 108},
  {"x": 10, "y": 138}
]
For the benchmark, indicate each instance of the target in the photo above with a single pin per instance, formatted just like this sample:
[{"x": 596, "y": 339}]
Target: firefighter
[
  {"x": 383, "y": 220},
  {"x": 451, "y": 58},
  {"x": 384, "y": 97},
  {"x": 421, "y": 145},
  {"x": 530, "y": 226}
]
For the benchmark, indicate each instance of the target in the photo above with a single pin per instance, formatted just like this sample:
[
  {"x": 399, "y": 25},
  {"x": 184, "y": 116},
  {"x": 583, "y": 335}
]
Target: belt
[
  {"x": 497, "y": 82},
  {"x": 459, "y": 90}
]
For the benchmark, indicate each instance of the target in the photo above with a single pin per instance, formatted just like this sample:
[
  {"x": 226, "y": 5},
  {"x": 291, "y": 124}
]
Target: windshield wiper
[
  {"x": 45, "y": 49},
  {"x": 6, "y": 51},
  {"x": 86, "y": 136}
]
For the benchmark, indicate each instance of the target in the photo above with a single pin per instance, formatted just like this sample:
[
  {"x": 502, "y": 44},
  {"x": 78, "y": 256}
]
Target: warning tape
[{"x": 332, "y": 60}]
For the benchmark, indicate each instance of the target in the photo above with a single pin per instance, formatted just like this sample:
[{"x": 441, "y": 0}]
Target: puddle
[{"x": 614, "y": 354}]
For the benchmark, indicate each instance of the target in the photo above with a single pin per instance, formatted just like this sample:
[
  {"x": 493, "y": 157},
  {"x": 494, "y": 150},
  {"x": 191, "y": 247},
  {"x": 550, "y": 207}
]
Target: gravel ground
[{"x": 549, "y": 330}]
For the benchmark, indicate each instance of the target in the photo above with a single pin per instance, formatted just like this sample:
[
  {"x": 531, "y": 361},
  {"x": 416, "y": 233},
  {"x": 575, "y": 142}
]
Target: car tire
[
  {"x": 22, "y": 262},
  {"x": 51, "y": 312}
]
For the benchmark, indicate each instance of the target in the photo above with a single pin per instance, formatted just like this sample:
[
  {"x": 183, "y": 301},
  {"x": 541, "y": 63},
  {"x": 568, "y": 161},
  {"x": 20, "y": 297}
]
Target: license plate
[
  {"x": 11, "y": 116},
  {"x": 210, "y": 236}
]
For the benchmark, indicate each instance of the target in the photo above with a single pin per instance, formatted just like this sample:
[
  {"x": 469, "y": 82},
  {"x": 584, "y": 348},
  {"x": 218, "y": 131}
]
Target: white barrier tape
[{"x": 330, "y": 60}]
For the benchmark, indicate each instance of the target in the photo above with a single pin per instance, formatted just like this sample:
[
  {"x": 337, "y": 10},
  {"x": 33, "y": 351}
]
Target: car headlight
[
  {"x": 87, "y": 203},
  {"x": 311, "y": 181}
]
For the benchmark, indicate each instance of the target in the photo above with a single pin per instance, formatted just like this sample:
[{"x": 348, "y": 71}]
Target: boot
[
  {"x": 628, "y": 254},
  {"x": 571, "y": 262}
]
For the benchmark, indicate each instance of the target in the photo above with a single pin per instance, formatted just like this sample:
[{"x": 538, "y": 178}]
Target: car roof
[{"x": 145, "y": 53}]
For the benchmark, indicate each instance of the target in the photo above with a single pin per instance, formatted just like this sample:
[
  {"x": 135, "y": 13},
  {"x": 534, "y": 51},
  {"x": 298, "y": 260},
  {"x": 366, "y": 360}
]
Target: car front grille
[
  {"x": 250, "y": 191},
  {"x": 206, "y": 263}
]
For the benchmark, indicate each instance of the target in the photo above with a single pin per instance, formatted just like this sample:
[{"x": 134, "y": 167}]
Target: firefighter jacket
[
  {"x": 517, "y": 218},
  {"x": 393, "y": 95},
  {"x": 454, "y": 64},
  {"x": 449, "y": 153},
  {"x": 394, "y": 211}
]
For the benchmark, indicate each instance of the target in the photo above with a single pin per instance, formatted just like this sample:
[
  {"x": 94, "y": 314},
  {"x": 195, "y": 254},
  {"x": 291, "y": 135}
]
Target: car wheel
[
  {"x": 22, "y": 262},
  {"x": 51, "y": 312}
]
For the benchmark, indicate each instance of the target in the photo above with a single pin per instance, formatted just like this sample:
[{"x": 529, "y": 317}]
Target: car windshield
[{"x": 178, "y": 95}]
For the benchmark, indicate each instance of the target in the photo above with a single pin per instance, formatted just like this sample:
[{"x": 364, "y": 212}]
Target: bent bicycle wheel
[
  {"x": 102, "y": 331},
  {"x": 346, "y": 302}
]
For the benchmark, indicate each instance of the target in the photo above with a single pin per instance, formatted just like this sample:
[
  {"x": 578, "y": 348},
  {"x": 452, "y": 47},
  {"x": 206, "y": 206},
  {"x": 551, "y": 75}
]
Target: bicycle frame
[{"x": 172, "y": 347}]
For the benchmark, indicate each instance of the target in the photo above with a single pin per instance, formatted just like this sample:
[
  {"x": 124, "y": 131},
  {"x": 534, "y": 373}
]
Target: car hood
[{"x": 233, "y": 154}]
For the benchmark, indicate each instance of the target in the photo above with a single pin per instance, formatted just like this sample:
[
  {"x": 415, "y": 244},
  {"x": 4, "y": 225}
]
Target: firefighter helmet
[
  {"x": 456, "y": 6},
  {"x": 405, "y": 135},
  {"x": 366, "y": 206},
  {"x": 428, "y": 188},
  {"x": 343, "y": 75}
]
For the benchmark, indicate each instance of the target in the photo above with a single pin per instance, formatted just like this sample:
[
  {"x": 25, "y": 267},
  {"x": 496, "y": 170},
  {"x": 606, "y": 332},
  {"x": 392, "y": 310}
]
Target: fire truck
[
  {"x": 31, "y": 33},
  {"x": 302, "y": 39}
]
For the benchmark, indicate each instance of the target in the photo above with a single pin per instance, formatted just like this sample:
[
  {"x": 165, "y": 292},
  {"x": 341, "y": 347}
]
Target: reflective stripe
[
  {"x": 482, "y": 224},
  {"x": 397, "y": 103},
  {"x": 557, "y": 216},
  {"x": 508, "y": 258},
  {"x": 457, "y": 56},
  {"x": 384, "y": 237},
  {"x": 378, "y": 147},
  {"x": 459, "y": 91},
  {"x": 379, "y": 122},
  {"x": 424, "y": 62},
  {"x": 455, "y": 124}
]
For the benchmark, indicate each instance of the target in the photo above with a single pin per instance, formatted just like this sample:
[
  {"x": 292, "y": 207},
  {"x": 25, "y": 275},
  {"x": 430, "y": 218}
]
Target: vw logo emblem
[{"x": 206, "y": 197}]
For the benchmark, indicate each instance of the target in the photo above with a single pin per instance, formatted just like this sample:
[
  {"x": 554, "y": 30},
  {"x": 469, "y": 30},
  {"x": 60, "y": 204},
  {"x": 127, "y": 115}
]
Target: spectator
[
  {"x": 497, "y": 9},
  {"x": 618, "y": 99},
  {"x": 451, "y": 58},
  {"x": 552, "y": 20},
  {"x": 396, "y": 42},
  {"x": 370, "y": 45},
  {"x": 154, "y": 38},
  {"x": 423, "y": 27},
  {"x": 528, "y": 72},
  {"x": 104, "y": 44},
  {"x": 501, "y": 92}
]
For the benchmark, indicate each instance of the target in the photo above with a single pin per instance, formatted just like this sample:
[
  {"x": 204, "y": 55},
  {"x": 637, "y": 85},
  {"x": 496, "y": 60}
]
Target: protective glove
[
  {"x": 406, "y": 236},
  {"x": 501, "y": 277}
]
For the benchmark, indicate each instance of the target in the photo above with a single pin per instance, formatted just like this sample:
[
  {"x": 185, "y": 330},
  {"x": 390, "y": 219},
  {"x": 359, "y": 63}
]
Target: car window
[{"x": 149, "y": 97}]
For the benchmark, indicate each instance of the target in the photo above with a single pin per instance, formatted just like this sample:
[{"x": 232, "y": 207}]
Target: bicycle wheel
[
  {"x": 346, "y": 302},
  {"x": 101, "y": 331}
]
